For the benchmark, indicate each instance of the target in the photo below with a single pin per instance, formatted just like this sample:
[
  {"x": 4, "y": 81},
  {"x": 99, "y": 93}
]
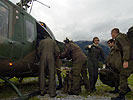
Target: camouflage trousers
[
  {"x": 77, "y": 69},
  {"x": 124, "y": 74}
]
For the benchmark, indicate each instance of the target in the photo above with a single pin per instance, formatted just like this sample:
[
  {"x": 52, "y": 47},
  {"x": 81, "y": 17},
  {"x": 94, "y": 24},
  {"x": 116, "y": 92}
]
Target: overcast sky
[{"x": 84, "y": 19}]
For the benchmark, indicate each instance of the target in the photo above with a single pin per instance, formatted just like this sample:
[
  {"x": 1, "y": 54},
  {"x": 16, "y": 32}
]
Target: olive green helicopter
[{"x": 20, "y": 35}]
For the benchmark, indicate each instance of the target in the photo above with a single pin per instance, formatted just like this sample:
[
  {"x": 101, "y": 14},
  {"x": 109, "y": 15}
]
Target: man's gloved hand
[{"x": 89, "y": 46}]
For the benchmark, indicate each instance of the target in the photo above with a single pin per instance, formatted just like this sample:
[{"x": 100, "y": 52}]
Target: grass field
[
  {"x": 103, "y": 90},
  {"x": 30, "y": 84}
]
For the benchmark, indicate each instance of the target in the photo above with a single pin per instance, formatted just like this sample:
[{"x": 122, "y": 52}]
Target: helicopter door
[
  {"x": 5, "y": 22},
  {"x": 18, "y": 35},
  {"x": 30, "y": 39}
]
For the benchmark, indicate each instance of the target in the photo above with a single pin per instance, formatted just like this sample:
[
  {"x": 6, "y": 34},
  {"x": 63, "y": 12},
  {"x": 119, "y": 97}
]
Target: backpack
[
  {"x": 130, "y": 38},
  {"x": 130, "y": 35},
  {"x": 109, "y": 77}
]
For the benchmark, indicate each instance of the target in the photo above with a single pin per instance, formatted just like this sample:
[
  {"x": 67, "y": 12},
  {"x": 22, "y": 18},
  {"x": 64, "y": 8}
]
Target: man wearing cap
[{"x": 79, "y": 60}]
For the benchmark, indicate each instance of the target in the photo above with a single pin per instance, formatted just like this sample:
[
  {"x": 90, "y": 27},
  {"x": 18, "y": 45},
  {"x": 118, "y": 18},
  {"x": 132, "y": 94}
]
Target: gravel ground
[
  {"x": 76, "y": 98},
  {"x": 104, "y": 95},
  {"x": 61, "y": 96}
]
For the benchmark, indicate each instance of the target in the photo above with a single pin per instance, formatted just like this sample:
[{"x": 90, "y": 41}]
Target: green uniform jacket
[
  {"x": 73, "y": 51},
  {"x": 114, "y": 60},
  {"x": 123, "y": 44},
  {"x": 94, "y": 52},
  {"x": 49, "y": 48}
]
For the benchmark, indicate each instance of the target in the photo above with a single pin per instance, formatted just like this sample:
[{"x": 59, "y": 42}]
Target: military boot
[
  {"x": 115, "y": 91},
  {"x": 120, "y": 97},
  {"x": 42, "y": 93},
  {"x": 93, "y": 90},
  {"x": 60, "y": 85},
  {"x": 72, "y": 93},
  {"x": 128, "y": 90},
  {"x": 52, "y": 96}
]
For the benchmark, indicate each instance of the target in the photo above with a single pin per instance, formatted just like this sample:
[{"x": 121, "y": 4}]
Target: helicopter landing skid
[{"x": 21, "y": 97}]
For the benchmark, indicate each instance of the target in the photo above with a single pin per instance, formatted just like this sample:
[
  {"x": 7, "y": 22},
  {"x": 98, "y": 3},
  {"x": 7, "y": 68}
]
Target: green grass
[
  {"x": 28, "y": 85},
  {"x": 84, "y": 93},
  {"x": 130, "y": 95},
  {"x": 60, "y": 96},
  {"x": 130, "y": 80},
  {"x": 34, "y": 98},
  {"x": 102, "y": 89},
  {"x": 31, "y": 84}
]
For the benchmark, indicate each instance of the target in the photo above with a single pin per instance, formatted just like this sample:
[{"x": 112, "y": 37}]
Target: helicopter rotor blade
[{"x": 42, "y": 3}]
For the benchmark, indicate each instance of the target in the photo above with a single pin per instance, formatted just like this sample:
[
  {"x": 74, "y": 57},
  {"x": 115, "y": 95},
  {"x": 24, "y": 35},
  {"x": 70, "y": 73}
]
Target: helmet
[{"x": 66, "y": 40}]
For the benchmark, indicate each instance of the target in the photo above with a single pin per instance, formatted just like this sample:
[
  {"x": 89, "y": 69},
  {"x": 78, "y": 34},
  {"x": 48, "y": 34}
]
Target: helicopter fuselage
[{"x": 20, "y": 34}]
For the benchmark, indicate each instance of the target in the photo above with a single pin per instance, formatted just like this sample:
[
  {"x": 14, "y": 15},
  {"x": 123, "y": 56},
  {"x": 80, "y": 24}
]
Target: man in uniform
[
  {"x": 126, "y": 69},
  {"x": 79, "y": 60},
  {"x": 94, "y": 52},
  {"x": 48, "y": 51},
  {"x": 110, "y": 75}
]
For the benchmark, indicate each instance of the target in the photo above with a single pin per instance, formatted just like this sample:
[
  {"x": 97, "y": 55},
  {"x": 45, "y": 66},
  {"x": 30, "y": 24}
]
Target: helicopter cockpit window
[
  {"x": 29, "y": 31},
  {"x": 3, "y": 20}
]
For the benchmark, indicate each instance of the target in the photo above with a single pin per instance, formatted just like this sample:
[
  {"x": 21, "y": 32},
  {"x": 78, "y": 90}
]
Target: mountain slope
[{"x": 82, "y": 45}]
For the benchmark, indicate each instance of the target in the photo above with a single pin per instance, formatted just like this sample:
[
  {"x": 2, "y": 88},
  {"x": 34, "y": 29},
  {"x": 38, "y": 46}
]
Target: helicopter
[{"x": 20, "y": 35}]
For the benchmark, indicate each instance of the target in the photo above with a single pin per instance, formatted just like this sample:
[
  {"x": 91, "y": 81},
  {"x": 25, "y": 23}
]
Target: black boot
[
  {"x": 60, "y": 85},
  {"x": 93, "y": 90},
  {"x": 72, "y": 93},
  {"x": 52, "y": 96},
  {"x": 42, "y": 93},
  {"x": 128, "y": 90},
  {"x": 120, "y": 97},
  {"x": 115, "y": 91}
]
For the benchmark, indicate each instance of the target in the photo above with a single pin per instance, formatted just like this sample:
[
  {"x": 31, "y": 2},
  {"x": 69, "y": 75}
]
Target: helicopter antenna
[
  {"x": 42, "y": 3},
  {"x": 24, "y": 4},
  {"x": 31, "y": 6}
]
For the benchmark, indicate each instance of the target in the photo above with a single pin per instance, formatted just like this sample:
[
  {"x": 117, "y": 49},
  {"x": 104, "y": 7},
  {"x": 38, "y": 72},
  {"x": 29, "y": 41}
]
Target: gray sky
[{"x": 84, "y": 19}]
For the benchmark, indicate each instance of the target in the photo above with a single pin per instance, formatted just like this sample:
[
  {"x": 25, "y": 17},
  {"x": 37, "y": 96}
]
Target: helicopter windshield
[
  {"x": 3, "y": 20},
  {"x": 50, "y": 32}
]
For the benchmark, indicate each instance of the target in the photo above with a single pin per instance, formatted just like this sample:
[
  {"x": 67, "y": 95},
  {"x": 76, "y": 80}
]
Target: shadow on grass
[{"x": 25, "y": 87}]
